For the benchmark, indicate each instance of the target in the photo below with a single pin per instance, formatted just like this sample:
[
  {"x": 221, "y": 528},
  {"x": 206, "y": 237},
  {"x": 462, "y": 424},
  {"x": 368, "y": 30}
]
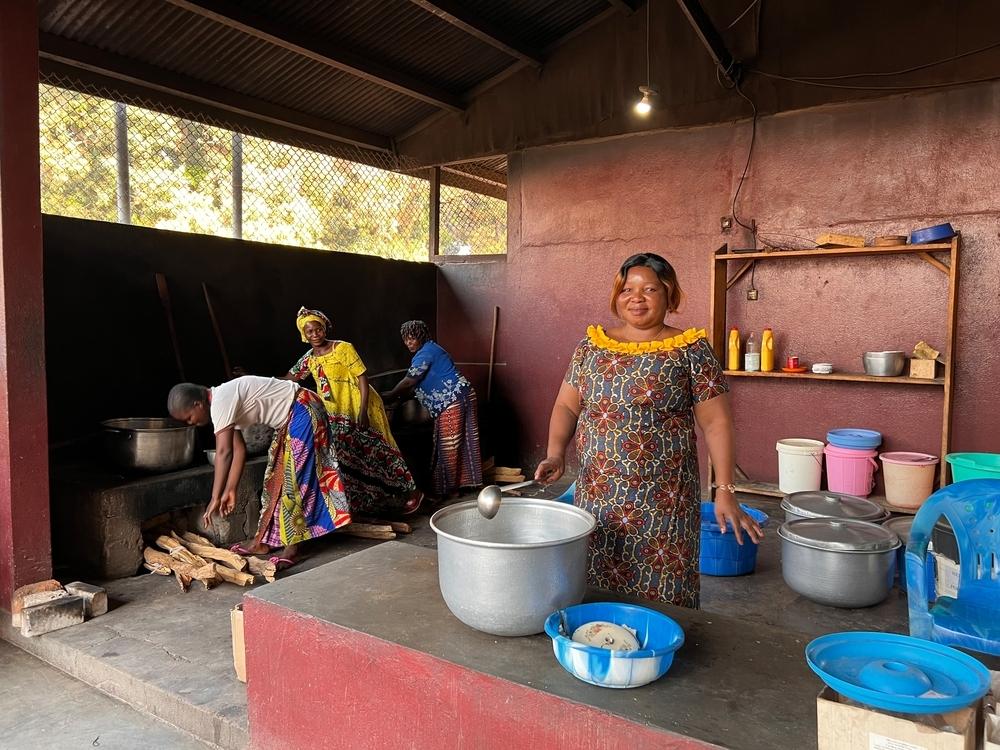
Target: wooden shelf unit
[
  {"x": 722, "y": 282},
  {"x": 769, "y": 489}
]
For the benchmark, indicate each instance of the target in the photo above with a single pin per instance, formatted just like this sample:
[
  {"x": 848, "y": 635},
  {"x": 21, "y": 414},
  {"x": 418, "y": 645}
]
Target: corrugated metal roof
[{"x": 395, "y": 34}]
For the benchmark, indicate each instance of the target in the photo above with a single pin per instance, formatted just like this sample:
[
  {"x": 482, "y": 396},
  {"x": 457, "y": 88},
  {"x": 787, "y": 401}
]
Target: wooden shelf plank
[
  {"x": 838, "y": 252},
  {"x": 769, "y": 489},
  {"x": 853, "y": 377}
]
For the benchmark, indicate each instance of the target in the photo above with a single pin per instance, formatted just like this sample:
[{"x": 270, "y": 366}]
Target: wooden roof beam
[
  {"x": 83, "y": 57},
  {"x": 710, "y": 37},
  {"x": 235, "y": 16},
  {"x": 461, "y": 17}
]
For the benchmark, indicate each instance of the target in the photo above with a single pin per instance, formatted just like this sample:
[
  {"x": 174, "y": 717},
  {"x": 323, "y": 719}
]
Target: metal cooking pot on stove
[
  {"x": 504, "y": 575},
  {"x": 149, "y": 444},
  {"x": 820, "y": 504},
  {"x": 840, "y": 563}
]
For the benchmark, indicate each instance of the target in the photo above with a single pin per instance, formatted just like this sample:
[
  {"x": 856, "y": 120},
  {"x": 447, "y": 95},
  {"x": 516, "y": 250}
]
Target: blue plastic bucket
[
  {"x": 974, "y": 466},
  {"x": 721, "y": 555}
]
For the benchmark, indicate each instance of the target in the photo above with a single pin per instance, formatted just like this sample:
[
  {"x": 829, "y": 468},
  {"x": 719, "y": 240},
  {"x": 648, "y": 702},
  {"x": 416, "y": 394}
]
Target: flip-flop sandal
[
  {"x": 412, "y": 506},
  {"x": 281, "y": 563},
  {"x": 239, "y": 549}
]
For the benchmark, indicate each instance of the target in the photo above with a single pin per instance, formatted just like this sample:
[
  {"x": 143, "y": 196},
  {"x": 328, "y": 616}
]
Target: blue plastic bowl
[
  {"x": 721, "y": 555},
  {"x": 936, "y": 233},
  {"x": 659, "y": 637},
  {"x": 854, "y": 438}
]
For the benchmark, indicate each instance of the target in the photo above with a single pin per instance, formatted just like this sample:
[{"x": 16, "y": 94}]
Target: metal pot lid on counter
[
  {"x": 817, "y": 504},
  {"x": 900, "y": 526},
  {"x": 839, "y": 535}
]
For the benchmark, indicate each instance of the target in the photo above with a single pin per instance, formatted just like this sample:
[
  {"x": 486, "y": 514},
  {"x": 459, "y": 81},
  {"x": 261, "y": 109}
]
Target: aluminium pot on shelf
[
  {"x": 149, "y": 444},
  {"x": 820, "y": 504},
  {"x": 839, "y": 563}
]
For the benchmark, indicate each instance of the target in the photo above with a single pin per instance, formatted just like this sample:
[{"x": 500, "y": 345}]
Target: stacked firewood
[{"x": 189, "y": 557}]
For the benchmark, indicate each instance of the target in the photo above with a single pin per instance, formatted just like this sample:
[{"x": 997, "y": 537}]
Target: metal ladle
[{"x": 489, "y": 497}]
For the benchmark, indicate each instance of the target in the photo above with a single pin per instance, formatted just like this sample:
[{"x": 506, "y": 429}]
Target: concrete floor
[
  {"x": 169, "y": 654},
  {"x": 40, "y": 707}
]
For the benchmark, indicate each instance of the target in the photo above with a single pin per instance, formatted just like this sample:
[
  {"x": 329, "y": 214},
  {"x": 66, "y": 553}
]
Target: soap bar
[{"x": 606, "y": 635}]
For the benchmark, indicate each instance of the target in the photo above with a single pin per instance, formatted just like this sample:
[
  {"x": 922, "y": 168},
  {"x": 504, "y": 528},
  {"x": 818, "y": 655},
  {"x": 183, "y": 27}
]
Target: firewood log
[
  {"x": 204, "y": 573},
  {"x": 398, "y": 526},
  {"x": 211, "y": 552},
  {"x": 261, "y": 567},
  {"x": 197, "y": 539},
  {"x": 233, "y": 576},
  {"x": 179, "y": 551},
  {"x": 368, "y": 531}
]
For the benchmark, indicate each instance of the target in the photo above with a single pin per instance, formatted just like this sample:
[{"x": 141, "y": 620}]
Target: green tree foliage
[{"x": 181, "y": 179}]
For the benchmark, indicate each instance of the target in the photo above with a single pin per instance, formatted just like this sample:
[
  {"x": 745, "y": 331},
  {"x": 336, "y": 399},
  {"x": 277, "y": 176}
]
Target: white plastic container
[{"x": 800, "y": 464}]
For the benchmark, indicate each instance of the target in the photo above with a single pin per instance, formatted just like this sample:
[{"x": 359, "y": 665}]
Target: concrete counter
[{"x": 363, "y": 652}]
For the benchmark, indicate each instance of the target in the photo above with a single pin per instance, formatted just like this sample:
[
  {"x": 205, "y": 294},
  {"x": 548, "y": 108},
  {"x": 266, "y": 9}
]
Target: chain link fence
[
  {"x": 471, "y": 223},
  {"x": 105, "y": 160}
]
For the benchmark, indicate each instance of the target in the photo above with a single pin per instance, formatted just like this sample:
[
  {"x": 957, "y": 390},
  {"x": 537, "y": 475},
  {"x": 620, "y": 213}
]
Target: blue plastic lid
[
  {"x": 854, "y": 437},
  {"x": 898, "y": 672}
]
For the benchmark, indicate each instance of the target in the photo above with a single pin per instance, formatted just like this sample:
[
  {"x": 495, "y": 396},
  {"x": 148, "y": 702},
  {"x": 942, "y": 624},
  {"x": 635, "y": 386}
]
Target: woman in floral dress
[{"x": 633, "y": 395}]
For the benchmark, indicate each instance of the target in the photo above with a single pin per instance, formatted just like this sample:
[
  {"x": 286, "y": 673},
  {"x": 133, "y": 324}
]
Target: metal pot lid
[
  {"x": 900, "y": 526},
  {"x": 816, "y": 504},
  {"x": 840, "y": 535}
]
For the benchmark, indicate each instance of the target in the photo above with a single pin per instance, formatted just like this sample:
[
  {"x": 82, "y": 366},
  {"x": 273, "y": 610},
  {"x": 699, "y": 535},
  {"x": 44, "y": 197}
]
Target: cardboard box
[
  {"x": 991, "y": 721},
  {"x": 239, "y": 647},
  {"x": 926, "y": 369},
  {"x": 845, "y": 725},
  {"x": 946, "y": 576}
]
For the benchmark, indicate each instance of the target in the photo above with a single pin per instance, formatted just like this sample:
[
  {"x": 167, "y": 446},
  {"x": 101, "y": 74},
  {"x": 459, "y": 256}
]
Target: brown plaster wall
[
  {"x": 880, "y": 167},
  {"x": 588, "y": 86}
]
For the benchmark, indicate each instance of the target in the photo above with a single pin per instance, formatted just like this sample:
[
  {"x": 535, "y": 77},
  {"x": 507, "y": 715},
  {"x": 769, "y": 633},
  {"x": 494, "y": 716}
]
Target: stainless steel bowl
[
  {"x": 838, "y": 563},
  {"x": 210, "y": 456},
  {"x": 884, "y": 364},
  {"x": 149, "y": 444},
  {"x": 505, "y": 575}
]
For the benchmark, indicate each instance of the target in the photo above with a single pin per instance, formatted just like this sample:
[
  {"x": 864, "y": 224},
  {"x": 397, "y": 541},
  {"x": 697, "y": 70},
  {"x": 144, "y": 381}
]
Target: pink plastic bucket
[
  {"x": 850, "y": 471},
  {"x": 909, "y": 478}
]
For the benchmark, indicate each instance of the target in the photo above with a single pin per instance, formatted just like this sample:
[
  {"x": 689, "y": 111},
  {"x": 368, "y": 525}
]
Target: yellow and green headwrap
[{"x": 310, "y": 316}]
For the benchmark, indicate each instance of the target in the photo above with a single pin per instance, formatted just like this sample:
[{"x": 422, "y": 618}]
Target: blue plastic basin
[
  {"x": 659, "y": 637},
  {"x": 721, "y": 555}
]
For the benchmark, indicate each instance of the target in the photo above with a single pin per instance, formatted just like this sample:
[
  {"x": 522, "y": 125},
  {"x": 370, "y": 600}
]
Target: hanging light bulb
[{"x": 645, "y": 105}]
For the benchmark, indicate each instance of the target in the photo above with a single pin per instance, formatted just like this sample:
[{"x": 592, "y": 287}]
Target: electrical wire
[
  {"x": 649, "y": 4},
  {"x": 903, "y": 71},
  {"x": 746, "y": 167},
  {"x": 903, "y": 87},
  {"x": 740, "y": 16}
]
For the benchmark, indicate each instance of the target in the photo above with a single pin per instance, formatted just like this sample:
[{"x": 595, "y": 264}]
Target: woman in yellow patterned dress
[
  {"x": 369, "y": 456},
  {"x": 633, "y": 396}
]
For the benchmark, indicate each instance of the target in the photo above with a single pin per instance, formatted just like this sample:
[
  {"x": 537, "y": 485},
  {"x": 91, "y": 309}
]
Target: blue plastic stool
[
  {"x": 972, "y": 619},
  {"x": 721, "y": 554}
]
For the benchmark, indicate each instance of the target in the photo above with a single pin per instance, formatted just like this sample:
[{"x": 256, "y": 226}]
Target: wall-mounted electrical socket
[
  {"x": 752, "y": 295},
  {"x": 726, "y": 223}
]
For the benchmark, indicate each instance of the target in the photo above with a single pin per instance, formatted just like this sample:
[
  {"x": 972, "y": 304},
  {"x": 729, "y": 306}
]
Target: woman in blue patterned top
[{"x": 451, "y": 400}]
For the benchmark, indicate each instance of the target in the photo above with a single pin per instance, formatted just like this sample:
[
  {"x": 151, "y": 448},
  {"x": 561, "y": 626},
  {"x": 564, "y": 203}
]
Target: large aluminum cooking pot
[
  {"x": 506, "y": 574},
  {"x": 840, "y": 563},
  {"x": 820, "y": 504},
  {"x": 149, "y": 444}
]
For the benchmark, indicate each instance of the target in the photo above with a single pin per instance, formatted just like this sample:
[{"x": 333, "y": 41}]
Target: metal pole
[
  {"x": 121, "y": 155},
  {"x": 238, "y": 185},
  {"x": 434, "y": 206}
]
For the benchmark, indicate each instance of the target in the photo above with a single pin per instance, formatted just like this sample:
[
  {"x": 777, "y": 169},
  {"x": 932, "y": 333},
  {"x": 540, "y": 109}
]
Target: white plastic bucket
[
  {"x": 909, "y": 478},
  {"x": 800, "y": 464}
]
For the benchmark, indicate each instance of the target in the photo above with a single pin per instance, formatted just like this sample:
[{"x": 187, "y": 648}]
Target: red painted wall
[
  {"x": 885, "y": 167},
  {"x": 25, "y": 551},
  {"x": 315, "y": 685}
]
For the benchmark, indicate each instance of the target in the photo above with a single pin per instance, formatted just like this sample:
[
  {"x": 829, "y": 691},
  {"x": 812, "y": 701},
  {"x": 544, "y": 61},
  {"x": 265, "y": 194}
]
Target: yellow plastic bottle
[
  {"x": 733, "y": 361},
  {"x": 767, "y": 351}
]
